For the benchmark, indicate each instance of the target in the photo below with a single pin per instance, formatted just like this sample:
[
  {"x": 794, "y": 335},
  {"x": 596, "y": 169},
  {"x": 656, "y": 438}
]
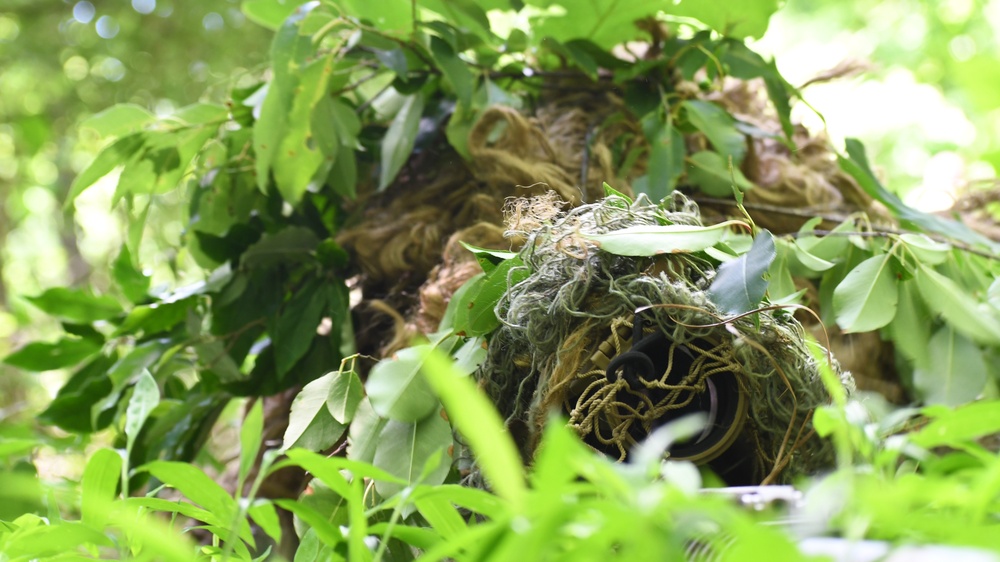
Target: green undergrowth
[{"x": 935, "y": 483}]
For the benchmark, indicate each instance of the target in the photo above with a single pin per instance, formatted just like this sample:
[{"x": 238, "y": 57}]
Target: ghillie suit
[{"x": 621, "y": 345}]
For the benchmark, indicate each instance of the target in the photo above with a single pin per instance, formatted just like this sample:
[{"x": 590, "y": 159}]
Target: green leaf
[
  {"x": 200, "y": 114},
  {"x": 910, "y": 329},
  {"x": 288, "y": 53},
  {"x": 119, "y": 120},
  {"x": 45, "y": 540},
  {"x": 739, "y": 285},
  {"x": 314, "y": 520},
  {"x": 398, "y": 390},
  {"x": 296, "y": 326},
  {"x": 489, "y": 259},
  {"x": 454, "y": 69},
  {"x": 155, "y": 318},
  {"x": 926, "y": 250},
  {"x": 117, "y": 154},
  {"x": 196, "y": 487},
  {"x": 943, "y": 296},
  {"x": 299, "y": 156},
  {"x": 475, "y": 417},
  {"x": 604, "y": 22},
  {"x": 866, "y": 299},
  {"x": 711, "y": 173},
  {"x": 365, "y": 430},
  {"x": 40, "y": 356},
  {"x": 310, "y": 424},
  {"x": 346, "y": 392},
  {"x": 956, "y": 373},
  {"x": 666, "y": 158},
  {"x": 399, "y": 139},
  {"x": 269, "y": 13},
  {"x": 654, "y": 240},
  {"x": 404, "y": 449},
  {"x": 474, "y": 310},
  {"x": 266, "y": 517},
  {"x": 132, "y": 282},
  {"x": 856, "y": 164},
  {"x": 962, "y": 425},
  {"x": 442, "y": 516},
  {"x": 250, "y": 441},
  {"x": 293, "y": 244},
  {"x": 99, "y": 486},
  {"x": 145, "y": 397},
  {"x": 739, "y": 19},
  {"x": 76, "y": 305},
  {"x": 719, "y": 127}
]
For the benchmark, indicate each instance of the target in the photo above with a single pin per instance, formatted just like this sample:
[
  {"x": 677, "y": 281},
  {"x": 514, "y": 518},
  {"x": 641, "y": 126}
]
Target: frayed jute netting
[{"x": 620, "y": 345}]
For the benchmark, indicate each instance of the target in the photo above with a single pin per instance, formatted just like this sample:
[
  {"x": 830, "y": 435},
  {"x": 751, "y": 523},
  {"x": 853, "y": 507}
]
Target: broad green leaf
[
  {"x": 781, "y": 284},
  {"x": 454, "y": 69},
  {"x": 397, "y": 389},
  {"x": 966, "y": 423},
  {"x": 926, "y": 250},
  {"x": 119, "y": 120},
  {"x": 943, "y": 296},
  {"x": 346, "y": 392},
  {"x": 474, "y": 310},
  {"x": 866, "y": 299},
  {"x": 145, "y": 397},
  {"x": 830, "y": 247},
  {"x": 99, "y": 486},
  {"x": 250, "y": 440},
  {"x": 404, "y": 449},
  {"x": 666, "y": 158},
  {"x": 739, "y": 19},
  {"x": 604, "y": 22},
  {"x": 480, "y": 425},
  {"x": 269, "y": 13},
  {"x": 739, "y": 285},
  {"x": 196, "y": 487},
  {"x": 266, "y": 517},
  {"x": 40, "y": 356},
  {"x": 133, "y": 283},
  {"x": 76, "y": 305},
  {"x": 911, "y": 328},
  {"x": 654, "y": 240},
  {"x": 364, "y": 433},
  {"x": 296, "y": 326},
  {"x": 117, "y": 154},
  {"x": 711, "y": 173},
  {"x": 288, "y": 53},
  {"x": 811, "y": 261},
  {"x": 488, "y": 259},
  {"x": 956, "y": 373},
  {"x": 391, "y": 16},
  {"x": 293, "y": 244},
  {"x": 719, "y": 127},
  {"x": 155, "y": 318},
  {"x": 399, "y": 139},
  {"x": 310, "y": 424},
  {"x": 299, "y": 156}
]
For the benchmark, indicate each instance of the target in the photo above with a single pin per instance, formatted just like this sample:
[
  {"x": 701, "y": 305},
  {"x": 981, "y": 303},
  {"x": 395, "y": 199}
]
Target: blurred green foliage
[
  {"x": 929, "y": 86},
  {"x": 60, "y": 63}
]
